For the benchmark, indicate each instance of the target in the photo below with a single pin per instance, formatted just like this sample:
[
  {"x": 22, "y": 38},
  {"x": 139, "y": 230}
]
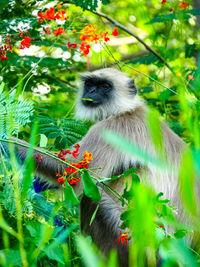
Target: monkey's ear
[{"x": 132, "y": 87}]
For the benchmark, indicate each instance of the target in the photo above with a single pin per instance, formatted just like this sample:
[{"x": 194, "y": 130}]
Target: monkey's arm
[
  {"x": 104, "y": 229},
  {"x": 46, "y": 166}
]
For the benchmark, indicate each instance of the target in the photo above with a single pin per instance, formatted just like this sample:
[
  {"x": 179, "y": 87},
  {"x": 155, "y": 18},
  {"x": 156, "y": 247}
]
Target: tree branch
[{"x": 122, "y": 27}]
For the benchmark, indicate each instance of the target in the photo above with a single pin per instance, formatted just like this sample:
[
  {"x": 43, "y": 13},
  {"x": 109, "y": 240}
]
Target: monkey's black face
[{"x": 96, "y": 91}]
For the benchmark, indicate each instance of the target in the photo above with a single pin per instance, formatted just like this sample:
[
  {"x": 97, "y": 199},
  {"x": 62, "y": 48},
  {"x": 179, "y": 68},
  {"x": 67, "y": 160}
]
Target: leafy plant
[{"x": 14, "y": 113}]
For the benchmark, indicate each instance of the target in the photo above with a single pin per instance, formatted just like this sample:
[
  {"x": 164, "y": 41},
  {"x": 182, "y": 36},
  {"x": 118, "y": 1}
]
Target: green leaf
[
  {"x": 33, "y": 228},
  {"x": 105, "y": 2},
  {"x": 90, "y": 188},
  {"x": 43, "y": 140},
  {"x": 187, "y": 183},
  {"x": 70, "y": 197},
  {"x": 126, "y": 173},
  {"x": 54, "y": 253},
  {"x": 1, "y": 87},
  {"x": 86, "y": 4},
  {"x": 29, "y": 162},
  {"x": 88, "y": 253},
  {"x": 180, "y": 233},
  {"x": 13, "y": 257}
]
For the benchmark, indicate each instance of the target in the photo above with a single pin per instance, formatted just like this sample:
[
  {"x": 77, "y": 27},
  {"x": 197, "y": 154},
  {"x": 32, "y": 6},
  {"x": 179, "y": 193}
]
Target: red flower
[
  {"x": 61, "y": 15},
  {"x": 61, "y": 180},
  {"x": 184, "y": 5},
  {"x": 41, "y": 16},
  {"x": 25, "y": 43},
  {"x": 115, "y": 32},
  {"x": 77, "y": 146},
  {"x": 104, "y": 36},
  {"x": 58, "y": 31},
  {"x": 3, "y": 57},
  {"x": 74, "y": 181},
  {"x": 50, "y": 13},
  {"x": 72, "y": 46},
  {"x": 163, "y": 1},
  {"x": 85, "y": 48},
  {"x": 122, "y": 238},
  {"x": 75, "y": 152}
]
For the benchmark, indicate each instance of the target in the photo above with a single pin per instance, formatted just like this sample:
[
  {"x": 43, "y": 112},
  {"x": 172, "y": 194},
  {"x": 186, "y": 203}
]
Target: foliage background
[{"x": 175, "y": 36}]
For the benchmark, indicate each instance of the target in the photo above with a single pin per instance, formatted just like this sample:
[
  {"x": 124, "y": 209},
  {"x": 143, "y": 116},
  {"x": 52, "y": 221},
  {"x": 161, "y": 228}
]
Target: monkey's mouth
[{"x": 89, "y": 102}]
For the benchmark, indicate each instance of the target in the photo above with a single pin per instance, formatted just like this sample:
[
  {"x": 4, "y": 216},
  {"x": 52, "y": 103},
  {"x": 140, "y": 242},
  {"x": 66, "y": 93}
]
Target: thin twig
[{"x": 122, "y": 27}]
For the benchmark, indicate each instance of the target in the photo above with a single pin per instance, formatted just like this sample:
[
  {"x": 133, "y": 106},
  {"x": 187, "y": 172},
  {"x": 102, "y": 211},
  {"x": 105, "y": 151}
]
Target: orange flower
[
  {"x": 87, "y": 156},
  {"x": 58, "y": 31},
  {"x": 190, "y": 77},
  {"x": 59, "y": 5},
  {"x": 115, "y": 32},
  {"x": 74, "y": 30},
  {"x": 88, "y": 34},
  {"x": 184, "y": 5}
]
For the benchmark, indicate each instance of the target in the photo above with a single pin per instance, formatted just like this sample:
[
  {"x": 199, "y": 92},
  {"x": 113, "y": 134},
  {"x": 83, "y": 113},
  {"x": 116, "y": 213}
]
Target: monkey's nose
[{"x": 92, "y": 89}]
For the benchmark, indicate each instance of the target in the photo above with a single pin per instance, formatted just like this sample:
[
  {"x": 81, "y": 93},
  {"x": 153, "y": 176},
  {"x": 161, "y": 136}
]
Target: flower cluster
[
  {"x": 181, "y": 4},
  {"x": 90, "y": 35},
  {"x": 50, "y": 14},
  {"x": 123, "y": 238},
  {"x": 73, "y": 168}
]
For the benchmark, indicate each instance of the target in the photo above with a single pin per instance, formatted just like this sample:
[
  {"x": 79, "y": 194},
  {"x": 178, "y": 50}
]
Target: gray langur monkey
[{"x": 117, "y": 107}]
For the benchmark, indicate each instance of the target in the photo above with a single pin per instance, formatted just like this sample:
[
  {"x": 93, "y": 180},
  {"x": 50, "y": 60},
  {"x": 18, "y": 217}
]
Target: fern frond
[{"x": 13, "y": 114}]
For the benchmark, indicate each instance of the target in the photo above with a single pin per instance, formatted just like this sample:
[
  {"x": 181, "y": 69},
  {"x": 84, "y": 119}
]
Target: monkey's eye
[{"x": 106, "y": 86}]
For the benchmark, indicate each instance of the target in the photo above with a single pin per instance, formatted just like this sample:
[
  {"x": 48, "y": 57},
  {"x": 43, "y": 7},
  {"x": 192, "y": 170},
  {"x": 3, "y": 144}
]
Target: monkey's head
[{"x": 104, "y": 93}]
